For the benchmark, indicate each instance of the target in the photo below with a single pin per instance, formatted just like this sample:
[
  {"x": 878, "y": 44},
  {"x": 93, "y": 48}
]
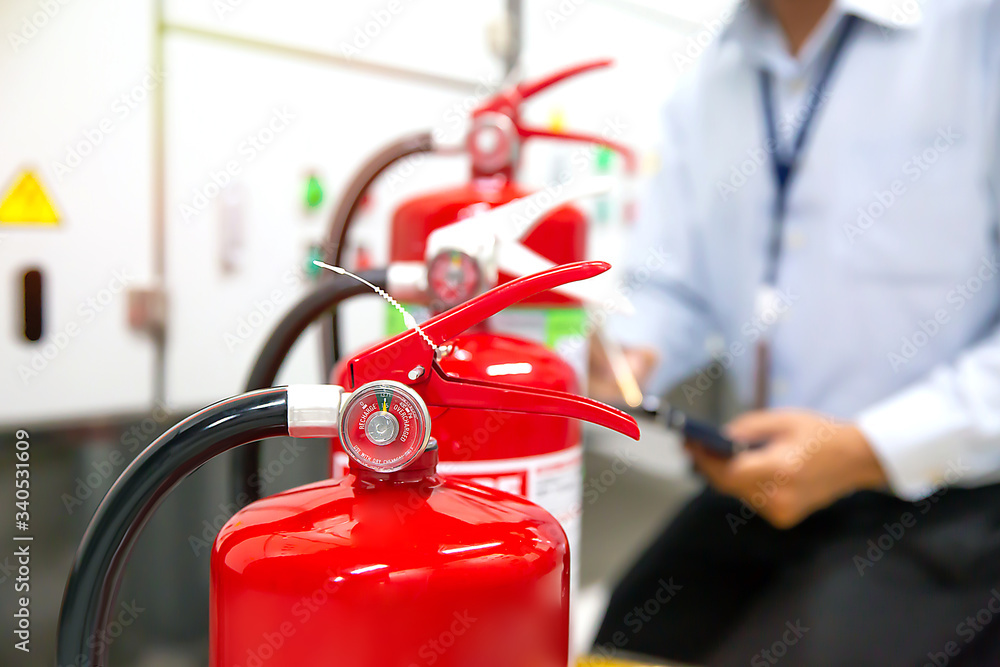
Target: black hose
[
  {"x": 350, "y": 202},
  {"x": 332, "y": 291},
  {"x": 100, "y": 560}
]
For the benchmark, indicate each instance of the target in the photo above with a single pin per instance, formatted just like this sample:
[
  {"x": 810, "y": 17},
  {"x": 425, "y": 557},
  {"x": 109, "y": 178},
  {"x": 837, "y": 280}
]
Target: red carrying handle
[
  {"x": 509, "y": 103},
  {"x": 408, "y": 358},
  {"x": 526, "y": 90},
  {"x": 444, "y": 391}
]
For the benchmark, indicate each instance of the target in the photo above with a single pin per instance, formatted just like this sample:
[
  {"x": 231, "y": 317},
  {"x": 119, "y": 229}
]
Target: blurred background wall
[{"x": 186, "y": 156}]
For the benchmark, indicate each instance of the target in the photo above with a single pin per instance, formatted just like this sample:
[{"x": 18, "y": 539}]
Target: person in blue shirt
[{"x": 828, "y": 201}]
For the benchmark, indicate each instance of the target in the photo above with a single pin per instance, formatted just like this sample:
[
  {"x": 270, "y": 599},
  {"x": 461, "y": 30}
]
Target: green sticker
[
  {"x": 314, "y": 192},
  {"x": 562, "y": 323},
  {"x": 394, "y": 323}
]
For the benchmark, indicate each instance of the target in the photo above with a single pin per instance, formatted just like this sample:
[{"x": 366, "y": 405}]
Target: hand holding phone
[{"x": 702, "y": 433}]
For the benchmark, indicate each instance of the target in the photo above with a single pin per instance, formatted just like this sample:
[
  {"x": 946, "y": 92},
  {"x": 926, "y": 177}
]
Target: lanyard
[{"x": 785, "y": 166}]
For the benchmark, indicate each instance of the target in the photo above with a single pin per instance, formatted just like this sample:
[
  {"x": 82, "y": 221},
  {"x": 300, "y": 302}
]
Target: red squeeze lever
[
  {"x": 408, "y": 358},
  {"x": 508, "y": 102}
]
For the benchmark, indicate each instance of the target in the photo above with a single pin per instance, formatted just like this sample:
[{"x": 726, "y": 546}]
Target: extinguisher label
[
  {"x": 511, "y": 482},
  {"x": 554, "y": 481}
]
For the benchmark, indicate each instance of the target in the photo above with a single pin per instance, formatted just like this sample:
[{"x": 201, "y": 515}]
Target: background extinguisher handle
[
  {"x": 526, "y": 89},
  {"x": 508, "y": 102},
  {"x": 628, "y": 155},
  {"x": 350, "y": 203},
  {"x": 309, "y": 411}
]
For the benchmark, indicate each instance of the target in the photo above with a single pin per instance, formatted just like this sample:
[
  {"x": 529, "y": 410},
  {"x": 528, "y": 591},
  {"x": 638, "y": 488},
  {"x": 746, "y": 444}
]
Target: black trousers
[{"x": 871, "y": 580}]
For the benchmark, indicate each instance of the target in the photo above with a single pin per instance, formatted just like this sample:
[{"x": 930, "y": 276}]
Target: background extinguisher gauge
[
  {"x": 453, "y": 277},
  {"x": 385, "y": 426},
  {"x": 493, "y": 143},
  {"x": 493, "y": 240}
]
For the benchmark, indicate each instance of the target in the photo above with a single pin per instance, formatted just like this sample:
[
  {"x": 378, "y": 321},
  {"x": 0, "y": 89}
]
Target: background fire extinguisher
[
  {"x": 435, "y": 261},
  {"x": 403, "y": 564},
  {"x": 494, "y": 143}
]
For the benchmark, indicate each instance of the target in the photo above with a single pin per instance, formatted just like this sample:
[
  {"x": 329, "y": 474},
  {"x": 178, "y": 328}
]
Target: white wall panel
[
  {"x": 72, "y": 77},
  {"x": 445, "y": 37},
  {"x": 217, "y": 97}
]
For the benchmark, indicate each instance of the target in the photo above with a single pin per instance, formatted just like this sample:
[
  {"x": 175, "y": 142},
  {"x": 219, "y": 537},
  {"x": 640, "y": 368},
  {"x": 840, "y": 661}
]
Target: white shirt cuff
[{"x": 916, "y": 436}]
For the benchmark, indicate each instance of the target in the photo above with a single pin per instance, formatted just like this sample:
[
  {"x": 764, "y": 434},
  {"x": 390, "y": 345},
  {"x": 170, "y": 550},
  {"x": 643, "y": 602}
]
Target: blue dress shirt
[{"x": 886, "y": 305}]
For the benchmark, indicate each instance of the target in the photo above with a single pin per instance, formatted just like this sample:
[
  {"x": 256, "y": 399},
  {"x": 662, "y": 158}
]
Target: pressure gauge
[
  {"x": 385, "y": 426},
  {"x": 453, "y": 277}
]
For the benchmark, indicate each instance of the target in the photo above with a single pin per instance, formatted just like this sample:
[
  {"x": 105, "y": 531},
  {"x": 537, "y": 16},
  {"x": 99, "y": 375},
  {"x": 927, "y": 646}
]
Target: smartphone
[{"x": 704, "y": 434}]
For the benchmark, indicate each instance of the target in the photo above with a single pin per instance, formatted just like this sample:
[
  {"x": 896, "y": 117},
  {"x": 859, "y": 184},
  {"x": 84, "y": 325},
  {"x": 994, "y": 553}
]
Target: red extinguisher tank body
[{"x": 390, "y": 570}]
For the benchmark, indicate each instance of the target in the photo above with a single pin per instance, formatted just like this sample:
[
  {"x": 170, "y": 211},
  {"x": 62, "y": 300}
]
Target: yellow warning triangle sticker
[{"x": 27, "y": 204}]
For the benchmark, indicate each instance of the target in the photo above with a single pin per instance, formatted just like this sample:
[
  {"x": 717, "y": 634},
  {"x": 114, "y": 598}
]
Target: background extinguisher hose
[
  {"x": 331, "y": 292},
  {"x": 350, "y": 203},
  {"x": 93, "y": 584}
]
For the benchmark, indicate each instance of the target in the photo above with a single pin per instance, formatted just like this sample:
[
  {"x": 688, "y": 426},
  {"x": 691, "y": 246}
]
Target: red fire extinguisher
[
  {"x": 494, "y": 143},
  {"x": 437, "y": 259},
  {"x": 390, "y": 565}
]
